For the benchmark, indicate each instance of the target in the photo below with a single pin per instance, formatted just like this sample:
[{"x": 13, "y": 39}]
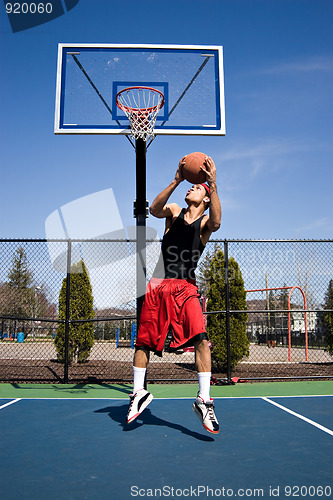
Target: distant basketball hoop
[{"x": 141, "y": 106}]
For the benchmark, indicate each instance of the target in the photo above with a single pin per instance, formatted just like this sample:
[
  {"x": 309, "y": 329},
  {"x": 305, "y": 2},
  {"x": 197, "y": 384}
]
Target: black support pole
[
  {"x": 140, "y": 148},
  {"x": 140, "y": 213},
  {"x": 227, "y": 308}
]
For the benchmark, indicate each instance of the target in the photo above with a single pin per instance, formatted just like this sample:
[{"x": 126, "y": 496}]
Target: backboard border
[{"x": 126, "y": 131}]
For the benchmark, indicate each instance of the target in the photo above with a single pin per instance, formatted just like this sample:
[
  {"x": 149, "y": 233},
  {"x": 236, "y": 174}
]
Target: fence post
[
  {"x": 67, "y": 318},
  {"x": 227, "y": 308}
]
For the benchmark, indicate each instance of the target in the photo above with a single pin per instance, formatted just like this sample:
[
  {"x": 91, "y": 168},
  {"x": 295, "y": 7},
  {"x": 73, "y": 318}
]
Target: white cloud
[
  {"x": 267, "y": 148},
  {"x": 257, "y": 166},
  {"x": 319, "y": 63},
  {"x": 241, "y": 166},
  {"x": 230, "y": 203},
  {"x": 320, "y": 223}
]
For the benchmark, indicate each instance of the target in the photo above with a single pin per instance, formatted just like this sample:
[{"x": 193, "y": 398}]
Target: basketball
[{"x": 191, "y": 169}]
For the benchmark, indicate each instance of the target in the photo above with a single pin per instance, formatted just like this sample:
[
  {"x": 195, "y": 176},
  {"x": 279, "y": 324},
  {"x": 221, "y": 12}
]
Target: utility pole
[{"x": 267, "y": 304}]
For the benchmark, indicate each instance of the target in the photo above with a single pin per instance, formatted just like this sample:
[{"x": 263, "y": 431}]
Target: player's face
[{"x": 195, "y": 194}]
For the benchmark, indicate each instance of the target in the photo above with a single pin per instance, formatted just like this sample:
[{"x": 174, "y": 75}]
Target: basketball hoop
[{"x": 141, "y": 106}]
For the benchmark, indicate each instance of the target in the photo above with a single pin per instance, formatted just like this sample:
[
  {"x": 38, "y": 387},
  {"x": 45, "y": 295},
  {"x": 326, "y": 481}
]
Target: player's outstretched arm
[
  {"x": 215, "y": 212},
  {"x": 160, "y": 208}
]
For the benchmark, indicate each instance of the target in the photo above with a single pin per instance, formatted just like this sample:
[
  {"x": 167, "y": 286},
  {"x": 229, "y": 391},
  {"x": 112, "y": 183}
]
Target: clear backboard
[{"x": 89, "y": 76}]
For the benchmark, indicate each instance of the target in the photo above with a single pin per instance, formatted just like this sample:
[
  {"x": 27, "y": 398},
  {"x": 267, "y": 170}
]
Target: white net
[{"x": 141, "y": 106}]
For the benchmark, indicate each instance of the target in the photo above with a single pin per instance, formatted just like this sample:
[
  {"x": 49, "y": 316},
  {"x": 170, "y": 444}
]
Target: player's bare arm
[
  {"x": 160, "y": 208},
  {"x": 211, "y": 222}
]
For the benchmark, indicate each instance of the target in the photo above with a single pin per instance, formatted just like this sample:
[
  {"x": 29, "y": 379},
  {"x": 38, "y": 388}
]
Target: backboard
[{"x": 89, "y": 76}]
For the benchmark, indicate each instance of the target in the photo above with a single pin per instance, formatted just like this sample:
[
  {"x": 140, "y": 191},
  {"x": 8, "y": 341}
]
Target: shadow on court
[
  {"x": 80, "y": 388},
  {"x": 119, "y": 413}
]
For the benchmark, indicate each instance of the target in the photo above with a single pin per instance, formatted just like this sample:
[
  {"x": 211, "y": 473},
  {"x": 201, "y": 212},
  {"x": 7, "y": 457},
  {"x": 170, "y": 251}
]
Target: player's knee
[
  {"x": 202, "y": 343},
  {"x": 141, "y": 348},
  {"x": 141, "y": 355}
]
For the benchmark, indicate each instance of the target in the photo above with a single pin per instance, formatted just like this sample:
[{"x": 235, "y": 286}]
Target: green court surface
[{"x": 116, "y": 391}]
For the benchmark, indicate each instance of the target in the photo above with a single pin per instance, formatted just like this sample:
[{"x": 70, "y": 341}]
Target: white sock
[
  {"x": 204, "y": 385},
  {"x": 138, "y": 378}
]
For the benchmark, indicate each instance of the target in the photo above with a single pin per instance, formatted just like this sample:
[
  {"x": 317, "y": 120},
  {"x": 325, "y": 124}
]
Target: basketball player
[{"x": 172, "y": 301}]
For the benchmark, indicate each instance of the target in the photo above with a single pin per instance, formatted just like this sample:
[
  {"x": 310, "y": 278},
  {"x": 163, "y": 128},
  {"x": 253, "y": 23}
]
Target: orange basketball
[{"x": 191, "y": 169}]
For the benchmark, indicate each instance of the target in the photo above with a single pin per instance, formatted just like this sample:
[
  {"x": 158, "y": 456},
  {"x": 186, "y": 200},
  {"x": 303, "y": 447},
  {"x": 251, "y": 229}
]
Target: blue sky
[{"x": 275, "y": 162}]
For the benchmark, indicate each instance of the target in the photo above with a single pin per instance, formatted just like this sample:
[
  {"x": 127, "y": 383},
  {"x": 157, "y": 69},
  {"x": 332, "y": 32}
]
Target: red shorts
[{"x": 170, "y": 303}]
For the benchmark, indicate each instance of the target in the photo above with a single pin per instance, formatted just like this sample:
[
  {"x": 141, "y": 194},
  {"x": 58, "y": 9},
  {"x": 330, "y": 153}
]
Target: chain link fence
[{"x": 286, "y": 283}]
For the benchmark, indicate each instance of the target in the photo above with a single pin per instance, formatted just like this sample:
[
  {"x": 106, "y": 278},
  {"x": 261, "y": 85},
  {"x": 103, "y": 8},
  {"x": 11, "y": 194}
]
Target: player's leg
[
  {"x": 203, "y": 365},
  {"x": 147, "y": 332},
  {"x": 140, "y": 398},
  {"x": 203, "y": 405},
  {"x": 140, "y": 363},
  {"x": 194, "y": 329}
]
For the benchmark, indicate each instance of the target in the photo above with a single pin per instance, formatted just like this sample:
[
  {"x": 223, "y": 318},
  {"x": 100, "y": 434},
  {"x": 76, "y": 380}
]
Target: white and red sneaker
[
  {"x": 206, "y": 414},
  {"x": 138, "y": 402}
]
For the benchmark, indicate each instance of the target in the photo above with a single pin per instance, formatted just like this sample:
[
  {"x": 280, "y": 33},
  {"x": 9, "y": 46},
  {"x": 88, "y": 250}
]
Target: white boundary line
[
  {"x": 125, "y": 398},
  {"x": 10, "y": 403},
  {"x": 321, "y": 427},
  {"x": 177, "y": 397}
]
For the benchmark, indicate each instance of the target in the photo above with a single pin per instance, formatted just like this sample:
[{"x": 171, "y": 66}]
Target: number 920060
[
  {"x": 28, "y": 8},
  {"x": 307, "y": 491}
]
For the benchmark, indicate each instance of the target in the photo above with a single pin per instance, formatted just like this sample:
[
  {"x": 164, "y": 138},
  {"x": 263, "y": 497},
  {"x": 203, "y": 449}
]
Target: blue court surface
[{"x": 82, "y": 449}]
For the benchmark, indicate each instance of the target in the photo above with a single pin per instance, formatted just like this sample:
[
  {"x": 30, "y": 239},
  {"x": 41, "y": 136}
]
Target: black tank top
[{"x": 181, "y": 249}]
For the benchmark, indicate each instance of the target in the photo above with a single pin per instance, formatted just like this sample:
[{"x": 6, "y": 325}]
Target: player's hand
[
  {"x": 179, "y": 176},
  {"x": 209, "y": 169}
]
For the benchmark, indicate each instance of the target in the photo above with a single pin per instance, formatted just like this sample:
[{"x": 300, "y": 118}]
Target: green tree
[
  {"x": 108, "y": 331},
  {"x": 203, "y": 270},
  {"x": 216, "y": 324},
  {"x": 19, "y": 275},
  {"x": 327, "y": 318},
  {"x": 283, "y": 297},
  {"x": 99, "y": 332},
  {"x": 81, "y": 335},
  {"x": 18, "y": 295}
]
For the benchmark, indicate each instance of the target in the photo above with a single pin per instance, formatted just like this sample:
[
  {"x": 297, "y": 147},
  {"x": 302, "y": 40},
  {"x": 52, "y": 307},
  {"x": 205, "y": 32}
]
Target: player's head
[{"x": 198, "y": 194}]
